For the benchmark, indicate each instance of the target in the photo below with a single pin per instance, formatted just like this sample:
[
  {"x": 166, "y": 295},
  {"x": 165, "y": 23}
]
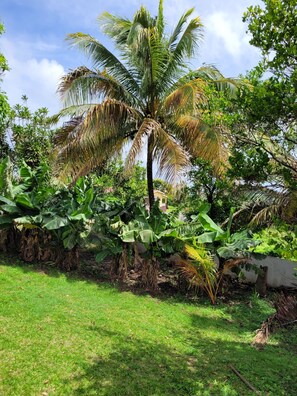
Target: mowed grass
[{"x": 64, "y": 336}]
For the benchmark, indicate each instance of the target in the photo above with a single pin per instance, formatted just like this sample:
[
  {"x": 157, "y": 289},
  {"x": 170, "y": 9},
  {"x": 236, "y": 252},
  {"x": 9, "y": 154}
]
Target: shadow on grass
[
  {"x": 48, "y": 268},
  {"x": 173, "y": 297},
  {"x": 135, "y": 367}
]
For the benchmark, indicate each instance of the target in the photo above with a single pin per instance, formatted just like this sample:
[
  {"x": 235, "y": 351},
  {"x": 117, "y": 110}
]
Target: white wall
[{"x": 280, "y": 272}]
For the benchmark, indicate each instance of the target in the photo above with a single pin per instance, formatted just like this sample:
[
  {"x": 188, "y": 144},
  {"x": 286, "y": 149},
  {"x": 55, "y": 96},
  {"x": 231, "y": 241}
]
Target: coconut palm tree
[{"x": 145, "y": 95}]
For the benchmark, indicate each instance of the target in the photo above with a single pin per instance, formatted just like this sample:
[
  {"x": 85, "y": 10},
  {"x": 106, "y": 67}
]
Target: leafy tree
[
  {"x": 205, "y": 186},
  {"x": 4, "y": 106},
  {"x": 112, "y": 180},
  {"x": 149, "y": 97},
  {"x": 31, "y": 133},
  {"x": 273, "y": 30},
  {"x": 270, "y": 110},
  {"x": 3, "y": 62},
  {"x": 264, "y": 119}
]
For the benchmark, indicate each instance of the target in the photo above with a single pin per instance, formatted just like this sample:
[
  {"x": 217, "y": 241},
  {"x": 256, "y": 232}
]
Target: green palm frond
[
  {"x": 115, "y": 27},
  {"x": 182, "y": 46},
  {"x": 173, "y": 40},
  {"x": 103, "y": 58},
  {"x": 212, "y": 75},
  {"x": 160, "y": 23}
]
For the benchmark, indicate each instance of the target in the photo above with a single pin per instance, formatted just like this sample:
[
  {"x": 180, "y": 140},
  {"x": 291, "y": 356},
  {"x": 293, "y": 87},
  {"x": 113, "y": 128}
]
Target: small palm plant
[{"x": 146, "y": 96}]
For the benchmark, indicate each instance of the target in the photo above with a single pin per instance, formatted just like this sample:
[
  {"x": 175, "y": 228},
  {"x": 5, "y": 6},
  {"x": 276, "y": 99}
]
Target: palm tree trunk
[{"x": 149, "y": 173}]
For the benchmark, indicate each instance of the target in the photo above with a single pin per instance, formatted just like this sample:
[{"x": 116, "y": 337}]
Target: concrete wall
[{"x": 280, "y": 272}]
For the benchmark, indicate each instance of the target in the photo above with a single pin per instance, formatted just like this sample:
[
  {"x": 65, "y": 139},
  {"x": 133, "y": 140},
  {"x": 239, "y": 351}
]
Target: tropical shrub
[
  {"x": 280, "y": 241},
  {"x": 43, "y": 222}
]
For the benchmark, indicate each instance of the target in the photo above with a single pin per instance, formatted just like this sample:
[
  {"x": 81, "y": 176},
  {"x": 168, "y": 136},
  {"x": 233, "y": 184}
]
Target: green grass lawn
[{"x": 65, "y": 336}]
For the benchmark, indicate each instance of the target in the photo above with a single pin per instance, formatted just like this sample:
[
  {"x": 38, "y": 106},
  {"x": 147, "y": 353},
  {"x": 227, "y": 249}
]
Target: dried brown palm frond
[
  {"x": 186, "y": 98},
  {"x": 147, "y": 127},
  {"x": 235, "y": 262},
  {"x": 286, "y": 314},
  {"x": 170, "y": 155},
  {"x": 211, "y": 144},
  {"x": 281, "y": 204}
]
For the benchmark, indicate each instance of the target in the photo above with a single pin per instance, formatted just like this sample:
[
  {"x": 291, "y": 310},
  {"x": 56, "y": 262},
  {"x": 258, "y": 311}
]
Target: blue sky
[{"x": 34, "y": 42}]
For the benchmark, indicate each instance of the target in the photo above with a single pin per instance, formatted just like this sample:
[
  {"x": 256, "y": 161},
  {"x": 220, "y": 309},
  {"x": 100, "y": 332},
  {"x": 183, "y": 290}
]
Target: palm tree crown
[{"x": 146, "y": 94}]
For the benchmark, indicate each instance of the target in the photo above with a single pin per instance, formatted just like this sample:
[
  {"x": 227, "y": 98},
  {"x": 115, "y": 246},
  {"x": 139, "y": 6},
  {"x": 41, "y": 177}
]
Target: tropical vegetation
[
  {"x": 146, "y": 96},
  {"x": 77, "y": 205}
]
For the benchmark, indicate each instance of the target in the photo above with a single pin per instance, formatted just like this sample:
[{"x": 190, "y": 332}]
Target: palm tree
[{"x": 147, "y": 95}]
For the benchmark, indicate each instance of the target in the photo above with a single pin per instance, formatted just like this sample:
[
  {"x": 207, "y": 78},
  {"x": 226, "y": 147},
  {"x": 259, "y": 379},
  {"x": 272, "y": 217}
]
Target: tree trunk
[
  {"x": 261, "y": 282},
  {"x": 149, "y": 173}
]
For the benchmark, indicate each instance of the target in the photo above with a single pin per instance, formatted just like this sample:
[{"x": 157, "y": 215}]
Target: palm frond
[
  {"x": 146, "y": 128},
  {"x": 93, "y": 88},
  {"x": 210, "y": 144},
  {"x": 170, "y": 155},
  {"x": 200, "y": 271},
  {"x": 115, "y": 27},
  {"x": 86, "y": 140},
  {"x": 173, "y": 40},
  {"x": 212, "y": 75},
  {"x": 185, "y": 99},
  {"x": 160, "y": 23},
  {"x": 182, "y": 46},
  {"x": 103, "y": 58}
]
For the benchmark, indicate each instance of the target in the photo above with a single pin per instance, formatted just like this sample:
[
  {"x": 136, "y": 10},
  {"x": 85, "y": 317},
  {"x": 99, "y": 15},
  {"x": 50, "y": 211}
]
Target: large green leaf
[
  {"x": 56, "y": 223},
  {"x": 25, "y": 171},
  {"x": 128, "y": 236},
  {"x": 207, "y": 237},
  {"x": 13, "y": 209},
  {"x": 70, "y": 241},
  {"x": 25, "y": 201},
  {"x": 89, "y": 196},
  {"x": 102, "y": 255},
  {"x": 147, "y": 236},
  {"x": 6, "y": 200},
  {"x": 79, "y": 216},
  {"x": 6, "y": 219},
  {"x": 208, "y": 224}
]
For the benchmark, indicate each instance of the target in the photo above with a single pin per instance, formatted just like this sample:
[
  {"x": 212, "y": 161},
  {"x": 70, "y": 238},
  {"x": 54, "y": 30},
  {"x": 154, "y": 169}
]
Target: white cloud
[
  {"x": 229, "y": 32},
  {"x": 36, "y": 78}
]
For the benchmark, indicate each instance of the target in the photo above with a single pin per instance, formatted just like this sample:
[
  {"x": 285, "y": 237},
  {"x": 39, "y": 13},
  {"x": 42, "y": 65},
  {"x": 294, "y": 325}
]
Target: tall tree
[
  {"x": 147, "y": 95},
  {"x": 4, "y": 106},
  {"x": 270, "y": 110},
  {"x": 31, "y": 133}
]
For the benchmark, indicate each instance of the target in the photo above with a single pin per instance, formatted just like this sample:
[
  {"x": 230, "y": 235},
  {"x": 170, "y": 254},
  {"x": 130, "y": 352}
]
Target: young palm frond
[{"x": 200, "y": 271}]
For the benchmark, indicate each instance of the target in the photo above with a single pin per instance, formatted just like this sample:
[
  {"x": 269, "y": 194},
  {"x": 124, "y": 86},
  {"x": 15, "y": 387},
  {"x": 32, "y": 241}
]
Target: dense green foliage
[
  {"x": 148, "y": 97},
  {"x": 31, "y": 134},
  {"x": 280, "y": 241},
  {"x": 272, "y": 107},
  {"x": 4, "y": 106}
]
